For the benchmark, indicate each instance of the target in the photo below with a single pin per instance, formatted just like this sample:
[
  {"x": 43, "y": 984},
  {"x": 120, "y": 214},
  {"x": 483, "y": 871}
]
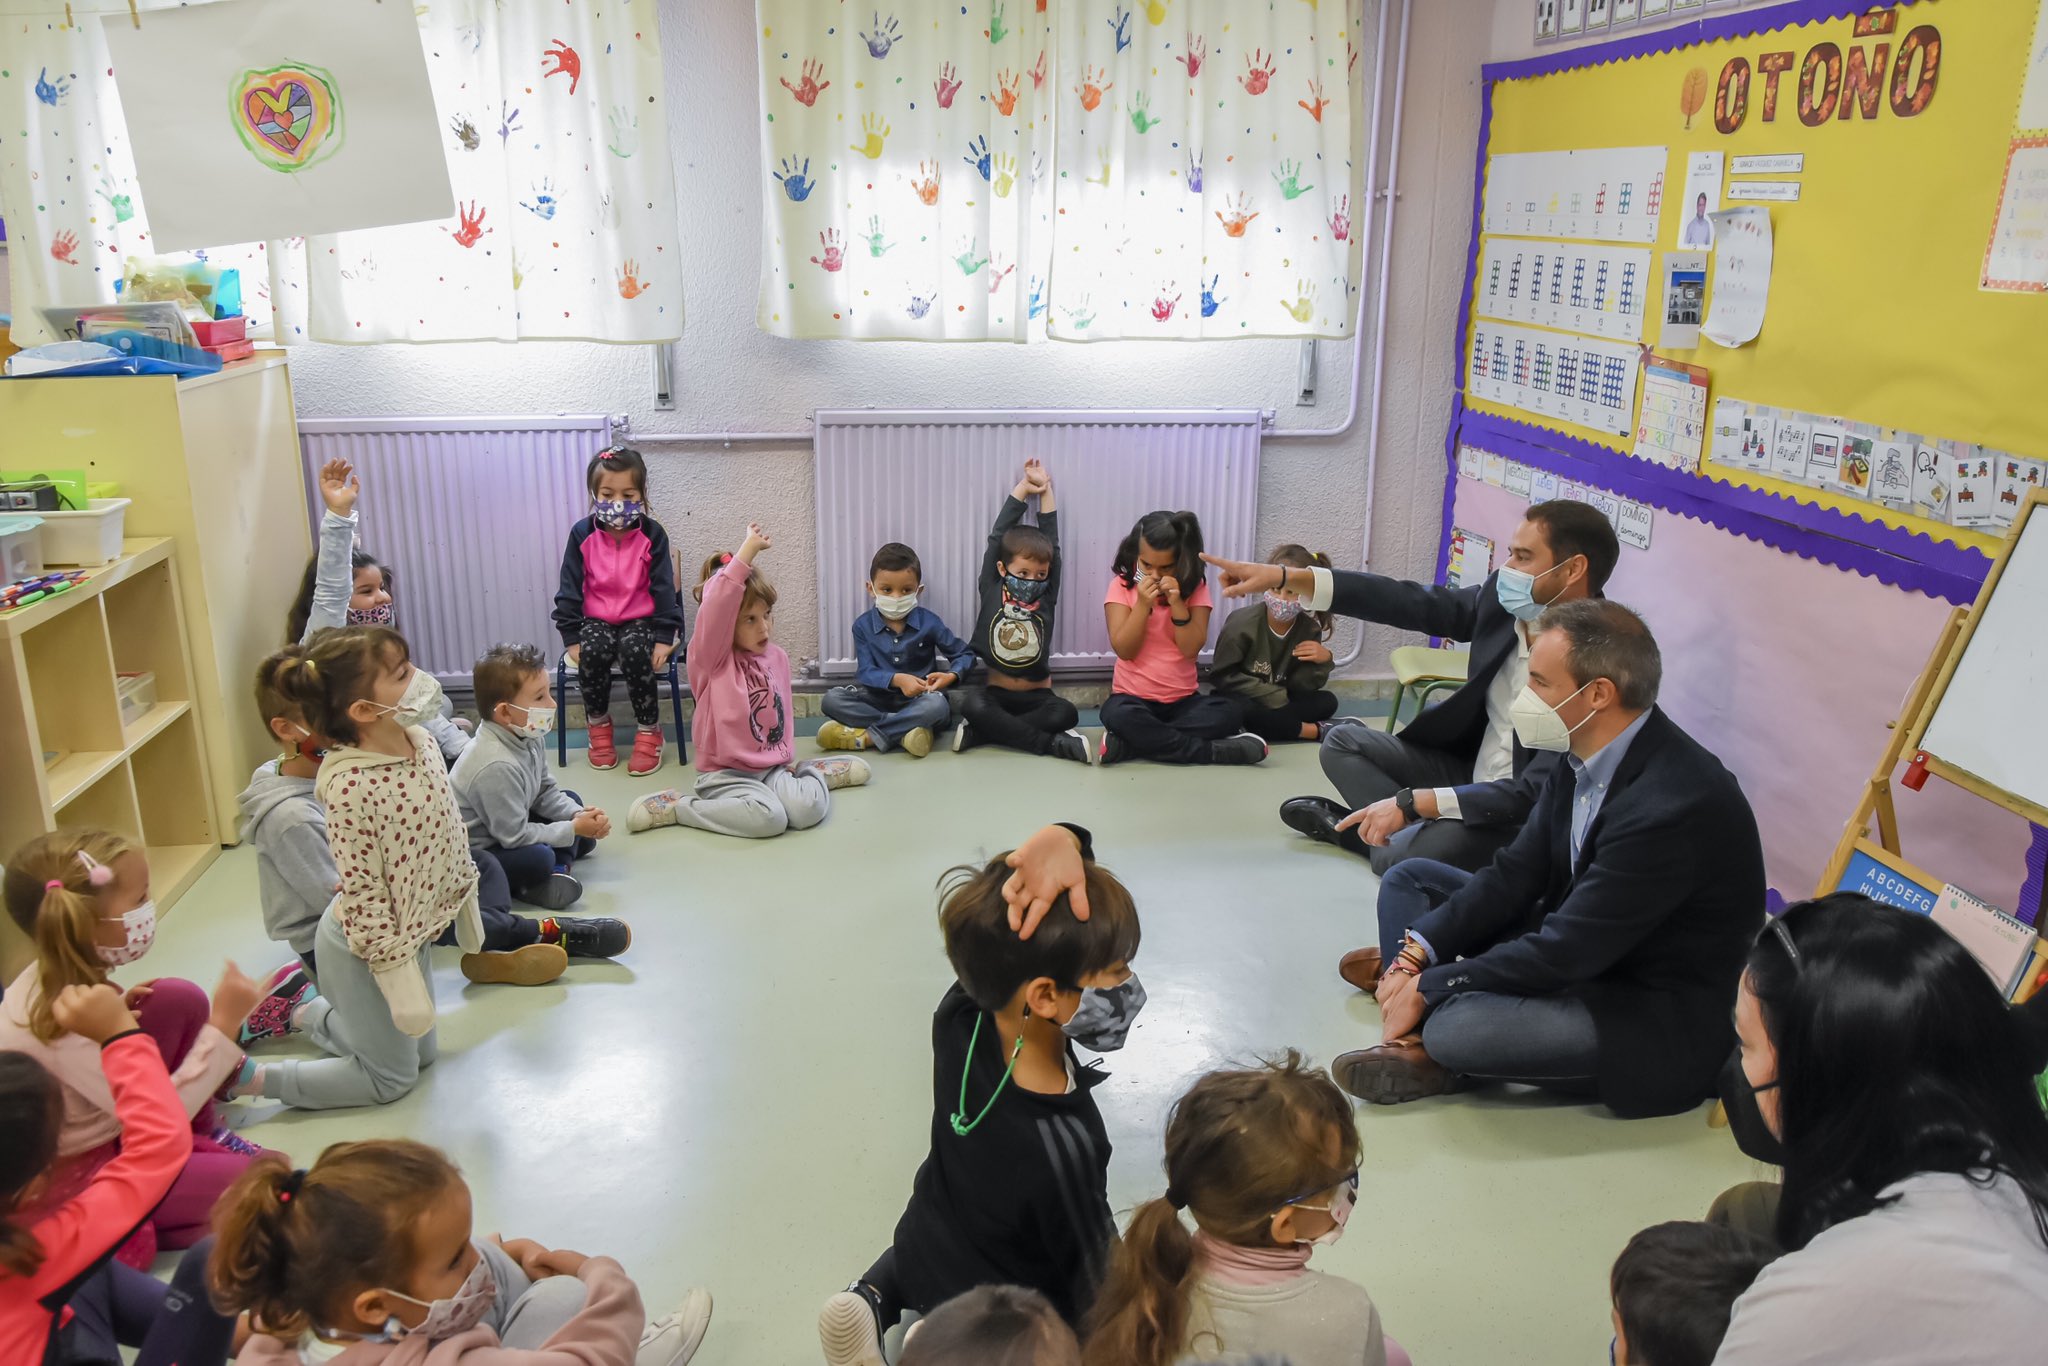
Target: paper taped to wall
[{"x": 1742, "y": 276}]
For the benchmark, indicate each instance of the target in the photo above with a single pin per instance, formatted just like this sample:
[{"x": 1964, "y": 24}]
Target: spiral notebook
[{"x": 2002, "y": 944}]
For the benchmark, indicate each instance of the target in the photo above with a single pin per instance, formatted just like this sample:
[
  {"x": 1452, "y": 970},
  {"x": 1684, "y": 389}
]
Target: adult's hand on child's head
[
  {"x": 234, "y": 996},
  {"x": 1242, "y": 578},
  {"x": 339, "y": 487},
  {"x": 1046, "y": 865},
  {"x": 95, "y": 1012}
]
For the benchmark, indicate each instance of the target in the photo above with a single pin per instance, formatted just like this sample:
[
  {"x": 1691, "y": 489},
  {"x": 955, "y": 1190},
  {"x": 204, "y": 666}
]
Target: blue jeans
[
  {"x": 1546, "y": 1041},
  {"x": 528, "y": 865},
  {"x": 885, "y": 714}
]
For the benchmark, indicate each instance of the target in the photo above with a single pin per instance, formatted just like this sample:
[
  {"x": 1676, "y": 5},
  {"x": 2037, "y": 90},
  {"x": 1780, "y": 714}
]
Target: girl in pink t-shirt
[{"x": 1158, "y": 607}]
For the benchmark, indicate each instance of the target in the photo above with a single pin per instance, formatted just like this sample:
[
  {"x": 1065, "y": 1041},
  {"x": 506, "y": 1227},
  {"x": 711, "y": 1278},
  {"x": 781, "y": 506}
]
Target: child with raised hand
[
  {"x": 46, "y": 1254},
  {"x": 906, "y": 661},
  {"x": 347, "y": 586},
  {"x": 747, "y": 781},
  {"x": 1014, "y": 1191},
  {"x": 1265, "y": 1161},
  {"x": 1020, "y": 589},
  {"x": 1674, "y": 1289},
  {"x": 82, "y": 899},
  {"x": 1157, "y": 607},
  {"x": 519, "y": 818},
  {"x": 617, "y": 606},
  {"x": 369, "y": 1257},
  {"x": 1271, "y": 657},
  {"x": 995, "y": 1325}
]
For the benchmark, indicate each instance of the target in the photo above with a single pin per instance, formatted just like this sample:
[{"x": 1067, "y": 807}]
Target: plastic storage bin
[
  {"x": 137, "y": 693},
  {"x": 21, "y": 548},
  {"x": 85, "y": 538},
  {"x": 218, "y": 332}
]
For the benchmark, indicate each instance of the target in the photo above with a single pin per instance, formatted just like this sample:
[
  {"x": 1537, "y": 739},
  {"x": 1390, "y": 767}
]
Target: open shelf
[
  {"x": 145, "y": 727},
  {"x": 173, "y": 868},
  {"x": 71, "y": 681},
  {"x": 109, "y": 803},
  {"x": 76, "y": 771},
  {"x": 142, "y": 626},
  {"x": 167, "y": 775}
]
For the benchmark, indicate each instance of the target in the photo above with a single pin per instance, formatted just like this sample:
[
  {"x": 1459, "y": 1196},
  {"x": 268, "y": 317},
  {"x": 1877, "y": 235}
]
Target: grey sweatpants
[
  {"x": 374, "y": 1062},
  {"x": 526, "y": 1313},
  {"x": 756, "y": 804}
]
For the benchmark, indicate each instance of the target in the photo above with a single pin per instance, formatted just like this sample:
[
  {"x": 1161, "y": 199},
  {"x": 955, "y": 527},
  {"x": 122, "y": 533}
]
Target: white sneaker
[
  {"x": 840, "y": 771},
  {"x": 848, "y": 1331},
  {"x": 673, "y": 1339},
  {"x": 654, "y": 810}
]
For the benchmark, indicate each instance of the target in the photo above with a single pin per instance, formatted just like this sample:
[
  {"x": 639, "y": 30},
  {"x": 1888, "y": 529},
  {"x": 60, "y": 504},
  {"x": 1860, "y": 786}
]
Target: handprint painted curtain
[
  {"x": 554, "y": 131},
  {"x": 1192, "y": 168},
  {"x": 908, "y": 190}
]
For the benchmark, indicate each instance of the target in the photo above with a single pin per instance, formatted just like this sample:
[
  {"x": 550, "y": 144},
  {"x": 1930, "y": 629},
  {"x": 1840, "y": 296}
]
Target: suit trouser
[
  {"x": 1546, "y": 1041},
  {"x": 1368, "y": 765}
]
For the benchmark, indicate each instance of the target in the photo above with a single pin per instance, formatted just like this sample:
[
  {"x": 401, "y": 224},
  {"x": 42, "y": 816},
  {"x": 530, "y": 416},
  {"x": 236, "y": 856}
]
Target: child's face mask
[
  {"x": 1105, "y": 1015},
  {"x": 140, "y": 925},
  {"x": 539, "y": 721},
  {"x": 618, "y": 514}
]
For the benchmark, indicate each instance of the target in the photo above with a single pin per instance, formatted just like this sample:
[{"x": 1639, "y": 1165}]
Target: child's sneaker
[
  {"x": 647, "y": 747},
  {"x": 556, "y": 892},
  {"x": 918, "y": 742},
  {"x": 593, "y": 936},
  {"x": 287, "y": 990},
  {"x": 532, "y": 966},
  {"x": 1072, "y": 745},
  {"x": 839, "y": 773},
  {"x": 850, "y": 1329},
  {"x": 230, "y": 1141},
  {"x": 833, "y": 735},
  {"x": 603, "y": 753},
  {"x": 1113, "y": 751},
  {"x": 654, "y": 811},
  {"x": 673, "y": 1339},
  {"x": 1241, "y": 748},
  {"x": 1335, "y": 723},
  {"x": 963, "y": 737}
]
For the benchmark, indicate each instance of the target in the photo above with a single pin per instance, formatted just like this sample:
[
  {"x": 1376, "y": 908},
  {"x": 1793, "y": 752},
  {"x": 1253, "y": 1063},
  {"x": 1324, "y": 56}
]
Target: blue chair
[{"x": 677, "y": 690}]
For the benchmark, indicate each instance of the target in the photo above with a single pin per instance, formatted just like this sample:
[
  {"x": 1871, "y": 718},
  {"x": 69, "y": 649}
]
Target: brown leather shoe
[
  {"x": 1392, "y": 1073},
  {"x": 1361, "y": 968}
]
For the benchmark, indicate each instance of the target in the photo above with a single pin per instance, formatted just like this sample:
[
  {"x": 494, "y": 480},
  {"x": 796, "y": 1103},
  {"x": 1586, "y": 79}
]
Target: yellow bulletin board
[{"x": 1876, "y": 313}]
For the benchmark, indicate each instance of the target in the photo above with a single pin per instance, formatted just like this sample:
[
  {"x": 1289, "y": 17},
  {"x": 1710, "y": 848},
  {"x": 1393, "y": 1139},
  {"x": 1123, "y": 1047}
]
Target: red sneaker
[
  {"x": 603, "y": 754},
  {"x": 647, "y": 746}
]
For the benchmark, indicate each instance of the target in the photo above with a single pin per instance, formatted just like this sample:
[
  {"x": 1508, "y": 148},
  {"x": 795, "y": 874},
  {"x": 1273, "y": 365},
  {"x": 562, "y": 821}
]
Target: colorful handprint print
[
  {"x": 978, "y": 156},
  {"x": 122, "y": 205},
  {"x": 543, "y": 204},
  {"x": 1258, "y": 72},
  {"x": 881, "y": 35},
  {"x": 876, "y": 246},
  {"x": 472, "y": 229},
  {"x": 998, "y": 272},
  {"x": 796, "y": 180},
  {"x": 1162, "y": 307},
  {"x": 48, "y": 91},
  {"x": 630, "y": 285},
  {"x": 834, "y": 259},
  {"x": 625, "y": 132},
  {"x": 1005, "y": 175},
  {"x": 1194, "y": 171},
  {"x": 1004, "y": 97},
  {"x": 927, "y": 182},
  {"x": 1081, "y": 314},
  {"x": 508, "y": 121},
  {"x": 810, "y": 87},
  {"x": 465, "y": 132},
  {"x": 567, "y": 62},
  {"x": 1211, "y": 301},
  {"x": 1315, "y": 103},
  {"x": 1103, "y": 169},
  {"x": 1036, "y": 305},
  {"x": 1303, "y": 306},
  {"x": 1095, "y": 83},
  {"x": 63, "y": 246},
  {"x": 1288, "y": 178},
  {"x": 920, "y": 304},
  {"x": 1121, "y": 26},
  {"x": 968, "y": 261},
  {"x": 1037, "y": 72},
  {"x": 1141, "y": 112},
  {"x": 997, "y": 30},
  {"x": 1238, "y": 217},
  {"x": 874, "y": 129},
  {"x": 946, "y": 86},
  {"x": 1340, "y": 221},
  {"x": 1197, "y": 53}
]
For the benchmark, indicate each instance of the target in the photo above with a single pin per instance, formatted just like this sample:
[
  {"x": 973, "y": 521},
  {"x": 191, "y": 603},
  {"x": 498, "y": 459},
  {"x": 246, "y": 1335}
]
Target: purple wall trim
[
  {"x": 1649, "y": 44},
  {"x": 2031, "y": 906}
]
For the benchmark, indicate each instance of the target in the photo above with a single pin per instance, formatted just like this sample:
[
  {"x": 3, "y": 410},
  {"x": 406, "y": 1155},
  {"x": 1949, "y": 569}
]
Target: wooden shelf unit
[{"x": 78, "y": 764}]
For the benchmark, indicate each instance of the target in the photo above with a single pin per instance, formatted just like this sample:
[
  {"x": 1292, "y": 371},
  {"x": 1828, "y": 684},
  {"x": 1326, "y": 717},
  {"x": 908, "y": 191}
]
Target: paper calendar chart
[
  {"x": 1572, "y": 379},
  {"x": 1610, "y": 194},
  {"x": 1671, "y": 430},
  {"x": 1596, "y": 290}
]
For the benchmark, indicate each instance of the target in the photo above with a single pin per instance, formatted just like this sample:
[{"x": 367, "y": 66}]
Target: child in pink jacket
[
  {"x": 747, "y": 784},
  {"x": 367, "y": 1260}
]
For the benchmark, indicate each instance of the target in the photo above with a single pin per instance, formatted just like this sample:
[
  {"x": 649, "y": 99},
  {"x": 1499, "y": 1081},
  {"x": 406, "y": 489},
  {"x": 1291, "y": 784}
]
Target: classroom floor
[{"x": 741, "y": 1101}]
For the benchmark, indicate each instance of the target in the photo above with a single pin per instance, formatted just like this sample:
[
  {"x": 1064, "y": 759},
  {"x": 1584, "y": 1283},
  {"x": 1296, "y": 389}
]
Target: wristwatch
[{"x": 1404, "y": 800}]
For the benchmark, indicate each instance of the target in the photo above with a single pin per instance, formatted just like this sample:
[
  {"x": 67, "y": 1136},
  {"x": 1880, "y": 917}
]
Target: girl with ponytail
[
  {"x": 1264, "y": 1163},
  {"x": 82, "y": 899},
  {"x": 368, "y": 1256},
  {"x": 1157, "y": 607}
]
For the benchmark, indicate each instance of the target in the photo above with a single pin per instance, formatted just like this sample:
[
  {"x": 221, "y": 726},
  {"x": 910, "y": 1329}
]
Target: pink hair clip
[
  {"x": 97, "y": 873},
  {"x": 55, "y": 884},
  {"x": 725, "y": 557}
]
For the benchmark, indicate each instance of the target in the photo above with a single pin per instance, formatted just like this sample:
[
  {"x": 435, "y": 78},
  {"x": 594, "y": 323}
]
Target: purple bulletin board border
[{"x": 1649, "y": 44}]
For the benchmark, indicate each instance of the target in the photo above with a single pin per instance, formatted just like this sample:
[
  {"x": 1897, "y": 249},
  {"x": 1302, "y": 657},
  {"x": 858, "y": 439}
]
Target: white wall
[{"x": 730, "y": 376}]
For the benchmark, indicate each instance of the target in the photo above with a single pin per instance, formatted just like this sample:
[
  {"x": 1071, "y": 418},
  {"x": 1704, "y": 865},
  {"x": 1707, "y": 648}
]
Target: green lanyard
[{"x": 961, "y": 1124}]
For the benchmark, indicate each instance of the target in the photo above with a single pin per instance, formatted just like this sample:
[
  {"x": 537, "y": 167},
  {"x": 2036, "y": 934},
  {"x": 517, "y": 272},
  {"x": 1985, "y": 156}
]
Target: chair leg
[
  {"x": 675, "y": 702},
  {"x": 1394, "y": 716},
  {"x": 561, "y": 707}
]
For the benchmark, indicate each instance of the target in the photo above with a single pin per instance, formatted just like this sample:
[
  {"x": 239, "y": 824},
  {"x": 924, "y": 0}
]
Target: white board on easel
[{"x": 1986, "y": 719}]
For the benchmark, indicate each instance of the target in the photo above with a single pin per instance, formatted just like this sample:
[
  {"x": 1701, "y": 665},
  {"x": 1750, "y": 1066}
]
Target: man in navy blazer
[
  {"x": 1598, "y": 954},
  {"x": 1455, "y": 785}
]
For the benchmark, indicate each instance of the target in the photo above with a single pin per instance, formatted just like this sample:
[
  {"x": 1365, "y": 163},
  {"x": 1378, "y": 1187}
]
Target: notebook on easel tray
[{"x": 2002, "y": 944}]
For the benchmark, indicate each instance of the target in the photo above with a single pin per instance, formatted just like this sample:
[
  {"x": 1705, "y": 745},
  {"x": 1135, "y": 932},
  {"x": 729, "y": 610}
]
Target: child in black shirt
[
  {"x": 1015, "y": 1189},
  {"x": 1020, "y": 588}
]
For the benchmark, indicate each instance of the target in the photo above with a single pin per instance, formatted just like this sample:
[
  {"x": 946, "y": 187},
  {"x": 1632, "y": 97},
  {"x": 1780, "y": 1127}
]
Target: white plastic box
[
  {"x": 137, "y": 693},
  {"x": 88, "y": 538},
  {"x": 21, "y": 555}
]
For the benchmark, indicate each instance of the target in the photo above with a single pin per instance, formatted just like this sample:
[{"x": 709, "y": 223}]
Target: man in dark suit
[
  {"x": 1598, "y": 954},
  {"x": 1454, "y": 786}
]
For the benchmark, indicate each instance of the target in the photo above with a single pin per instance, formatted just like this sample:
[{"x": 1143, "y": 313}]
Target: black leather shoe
[
  {"x": 1391, "y": 1074},
  {"x": 1315, "y": 817}
]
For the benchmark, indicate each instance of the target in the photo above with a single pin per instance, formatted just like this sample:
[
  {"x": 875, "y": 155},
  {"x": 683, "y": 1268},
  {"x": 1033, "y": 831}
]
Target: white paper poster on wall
[
  {"x": 1891, "y": 468},
  {"x": 2033, "y": 114},
  {"x": 2017, "y": 259},
  {"x": 261, "y": 119},
  {"x": 1742, "y": 276},
  {"x": 1702, "y": 199},
  {"x": 1574, "y": 379},
  {"x": 1574, "y": 286},
  {"x": 1610, "y": 194}
]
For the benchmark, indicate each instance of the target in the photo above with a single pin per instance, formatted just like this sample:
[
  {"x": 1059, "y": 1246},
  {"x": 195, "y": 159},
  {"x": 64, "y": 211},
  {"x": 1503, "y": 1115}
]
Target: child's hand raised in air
[
  {"x": 662, "y": 651},
  {"x": 910, "y": 685},
  {"x": 339, "y": 487},
  {"x": 591, "y": 823},
  {"x": 95, "y": 1012},
  {"x": 1035, "y": 481},
  {"x": 1314, "y": 651},
  {"x": 757, "y": 541},
  {"x": 234, "y": 996}
]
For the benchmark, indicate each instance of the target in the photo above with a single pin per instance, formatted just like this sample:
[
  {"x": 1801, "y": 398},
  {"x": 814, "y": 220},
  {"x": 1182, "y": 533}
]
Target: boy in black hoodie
[{"x": 1015, "y": 1189}]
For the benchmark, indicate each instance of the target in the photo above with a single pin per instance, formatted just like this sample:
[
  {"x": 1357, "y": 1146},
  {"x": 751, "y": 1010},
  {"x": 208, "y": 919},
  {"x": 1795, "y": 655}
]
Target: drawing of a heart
[{"x": 288, "y": 116}]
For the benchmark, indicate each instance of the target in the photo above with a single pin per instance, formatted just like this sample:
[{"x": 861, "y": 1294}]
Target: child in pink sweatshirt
[
  {"x": 367, "y": 1260},
  {"x": 746, "y": 785}
]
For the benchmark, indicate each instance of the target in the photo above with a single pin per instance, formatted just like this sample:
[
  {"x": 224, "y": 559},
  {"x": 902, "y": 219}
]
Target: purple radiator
[
  {"x": 471, "y": 514},
  {"x": 934, "y": 479}
]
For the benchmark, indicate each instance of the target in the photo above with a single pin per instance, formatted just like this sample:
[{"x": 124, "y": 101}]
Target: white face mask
[
  {"x": 895, "y": 608},
  {"x": 1338, "y": 1209},
  {"x": 140, "y": 924},
  {"x": 1537, "y": 724},
  {"x": 539, "y": 721},
  {"x": 420, "y": 701},
  {"x": 459, "y": 1313}
]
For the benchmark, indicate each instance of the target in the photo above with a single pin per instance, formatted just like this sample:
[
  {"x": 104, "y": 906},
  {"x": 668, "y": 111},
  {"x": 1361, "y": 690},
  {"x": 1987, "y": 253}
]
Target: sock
[
  {"x": 299, "y": 1010},
  {"x": 654, "y": 729},
  {"x": 247, "y": 1073},
  {"x": 597, "y": 719},
  {"x": 550, "y": 930}
]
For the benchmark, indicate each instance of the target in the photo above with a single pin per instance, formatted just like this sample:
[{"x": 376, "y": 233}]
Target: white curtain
[
  {"x": 1191, "y": 166},
  {"x": 907, "y": 184},
  {"x": 554, "y": 127}
]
